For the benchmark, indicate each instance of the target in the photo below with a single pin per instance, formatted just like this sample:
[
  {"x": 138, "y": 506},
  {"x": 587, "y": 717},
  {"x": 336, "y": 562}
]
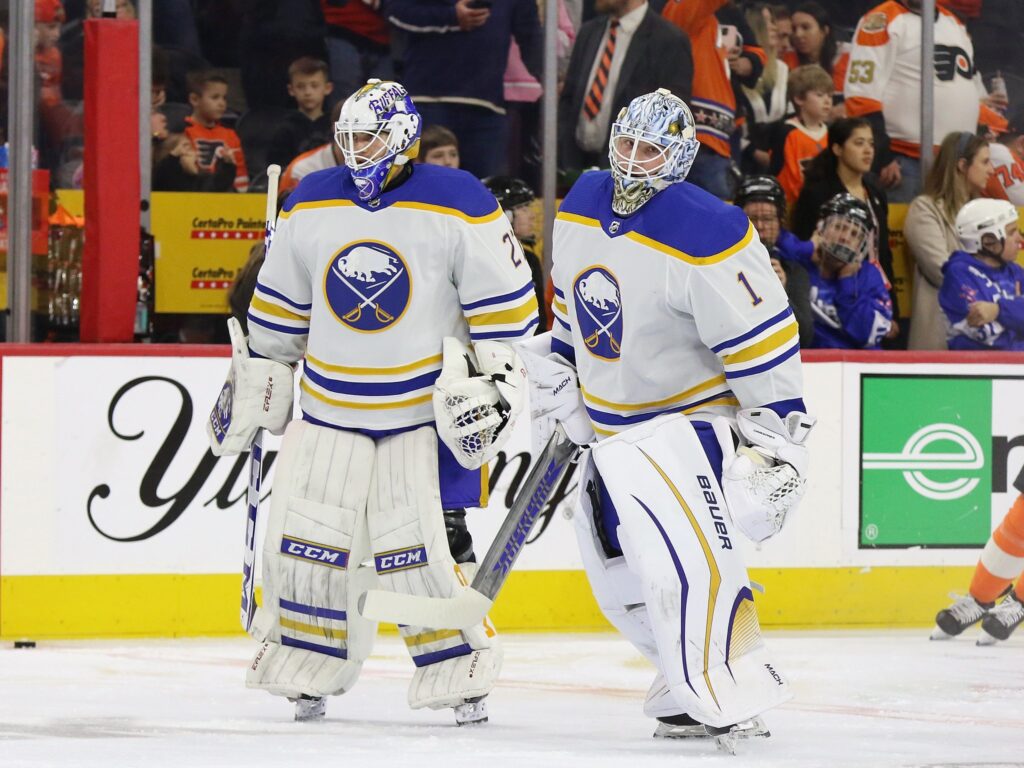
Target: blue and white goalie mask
[
  {"x": 653, "y": 144},
  {"x": 378, "y": 132}
]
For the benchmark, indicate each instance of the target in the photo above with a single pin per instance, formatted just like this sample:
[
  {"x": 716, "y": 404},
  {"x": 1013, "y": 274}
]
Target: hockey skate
[
  {"x": 309, "y": 708},
  {"x": 471, "y": 712},
  {"x": 1000, "y": 621},
  {"x": 685, "y": 727},
  {"x": 965, "y": 612}
]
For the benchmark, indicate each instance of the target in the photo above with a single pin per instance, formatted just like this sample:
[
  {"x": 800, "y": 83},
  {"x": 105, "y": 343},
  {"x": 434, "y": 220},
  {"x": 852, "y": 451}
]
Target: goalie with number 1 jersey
[{"x": 371, "y": 266}]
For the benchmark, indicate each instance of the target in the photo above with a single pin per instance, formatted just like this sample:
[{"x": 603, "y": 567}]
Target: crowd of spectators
[{"x": 822, "y": 97}]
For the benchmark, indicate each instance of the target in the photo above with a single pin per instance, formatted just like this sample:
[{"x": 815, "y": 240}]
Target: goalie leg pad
[
  {"x": 664, "y": 478},
  {"x": 412, "y": 556},
  {"x": 314, "y": 641}
]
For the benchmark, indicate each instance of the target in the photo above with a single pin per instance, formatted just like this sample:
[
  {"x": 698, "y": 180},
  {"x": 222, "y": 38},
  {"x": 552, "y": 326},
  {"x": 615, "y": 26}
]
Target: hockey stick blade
[{"x": 469, "y": 607}]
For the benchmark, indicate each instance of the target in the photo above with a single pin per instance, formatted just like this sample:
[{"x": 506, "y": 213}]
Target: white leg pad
[
  {"x": 618, "y": 591},
  {"x": 314, "y": 641},
  {"x": 676, "y": 538},
  {"x": 411, "y": 556}
]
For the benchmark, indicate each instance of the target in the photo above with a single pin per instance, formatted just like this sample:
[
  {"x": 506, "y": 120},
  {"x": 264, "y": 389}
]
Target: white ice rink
[{"x": 877, "y": 699}]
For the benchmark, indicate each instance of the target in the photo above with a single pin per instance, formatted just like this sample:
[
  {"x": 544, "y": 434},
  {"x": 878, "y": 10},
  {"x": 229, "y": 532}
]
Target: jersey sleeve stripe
[
  {"x": 506, "y": 316},
  {"x": 670, "y": 400},
  {"x": 562, "y": 323},
  {"x": 308, "y": 389},
  {"x": 267, "y": 308},
  {"x": 762, "y": 347},
  {"x": 366, "y": 371},
  {"x": 764, "y": 366},
  {"x": 371, "y": 388},
  {"x": 492, "y": 300},
  {"x": 277, "y": 326},
  {"x": 755, "y": 331},
  {"x": 560, "y": 308},
  {"x": 270, "y": 292},
  {"x": 700, "y": 261},
  {"x": 507, "y": 334},
  {"x": 575, "y": 218}
]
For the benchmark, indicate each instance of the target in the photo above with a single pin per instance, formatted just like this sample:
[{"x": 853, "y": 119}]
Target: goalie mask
[
  {"x": 846, "y": 226},
  {"x": 653, "y": 144},
  {"x": 378, "y": 132},
  {"x": 984, "y": 217}
]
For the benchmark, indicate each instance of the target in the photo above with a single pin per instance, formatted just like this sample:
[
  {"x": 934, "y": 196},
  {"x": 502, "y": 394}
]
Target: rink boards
[{"x": 116, "y": 521}]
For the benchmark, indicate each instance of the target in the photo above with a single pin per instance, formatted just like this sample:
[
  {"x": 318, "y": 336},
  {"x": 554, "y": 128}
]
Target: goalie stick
[
  {"x": 470, "y": 606},
  {"x": 252, "y": 494}
]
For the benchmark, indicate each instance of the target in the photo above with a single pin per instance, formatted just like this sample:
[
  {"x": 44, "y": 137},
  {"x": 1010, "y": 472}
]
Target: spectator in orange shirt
[
  {"x": 49, "y": 17},
  {"x": 208, "y": 95},
  {"x": 802, "y": 138}
]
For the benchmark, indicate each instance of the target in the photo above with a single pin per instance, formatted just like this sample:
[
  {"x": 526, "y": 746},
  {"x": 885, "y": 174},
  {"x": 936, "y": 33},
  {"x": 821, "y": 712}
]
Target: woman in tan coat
[{"x": 960, "y": 173}]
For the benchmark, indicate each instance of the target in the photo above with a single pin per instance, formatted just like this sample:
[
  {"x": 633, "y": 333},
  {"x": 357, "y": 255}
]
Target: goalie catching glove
[
  {"x": 258, "y": 394},
  {"x": 477, "y": 399},
  {"x": 767, "y": 477}
]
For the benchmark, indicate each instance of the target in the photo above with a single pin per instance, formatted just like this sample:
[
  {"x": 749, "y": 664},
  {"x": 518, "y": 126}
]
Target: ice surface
[{"x": 880, "y": 699}]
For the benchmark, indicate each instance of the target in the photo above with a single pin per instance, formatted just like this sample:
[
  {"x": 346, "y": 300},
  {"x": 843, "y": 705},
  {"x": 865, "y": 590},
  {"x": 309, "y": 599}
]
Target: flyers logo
[
  {"x": 206, "y": 149},
  {"x": 951, "y": 61}
]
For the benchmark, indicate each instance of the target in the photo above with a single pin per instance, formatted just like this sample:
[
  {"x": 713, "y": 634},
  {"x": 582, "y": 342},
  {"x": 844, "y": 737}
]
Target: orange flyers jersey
[
  {"x": 885, "y": 75},
  {"x": 316, "y": 159},
  {"x": 1007, "y": 183},
  {"x": 793, "y": 149},
  {"x": 211, "y": 143},
  {"x": 712, "y": 99}
]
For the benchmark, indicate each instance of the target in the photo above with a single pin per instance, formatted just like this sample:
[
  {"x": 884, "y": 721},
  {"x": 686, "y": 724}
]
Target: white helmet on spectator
[
  {"x": 378, "y": 132},
  {"x": 981, "y": 217}
]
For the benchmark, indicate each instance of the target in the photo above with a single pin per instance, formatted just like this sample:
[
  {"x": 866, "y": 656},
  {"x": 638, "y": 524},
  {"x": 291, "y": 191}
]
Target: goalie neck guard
[{"x": 378, "y": 132}]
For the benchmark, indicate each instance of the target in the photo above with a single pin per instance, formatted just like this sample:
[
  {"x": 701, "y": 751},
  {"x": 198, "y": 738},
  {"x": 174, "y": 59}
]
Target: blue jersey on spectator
[
  {"x": 852, "y": 312},
  {"x": 966, "y": 280}
]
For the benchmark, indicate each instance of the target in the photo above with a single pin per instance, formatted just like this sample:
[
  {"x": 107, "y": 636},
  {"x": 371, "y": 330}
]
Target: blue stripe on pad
[
  {"x": 309, "y": 610},
  {"x": 448, "y": 653},
  {"x": 326, "y": 650}
]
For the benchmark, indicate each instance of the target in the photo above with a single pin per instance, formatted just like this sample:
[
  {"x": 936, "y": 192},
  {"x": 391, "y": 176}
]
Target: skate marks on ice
[{"x": 884, "y": 699}]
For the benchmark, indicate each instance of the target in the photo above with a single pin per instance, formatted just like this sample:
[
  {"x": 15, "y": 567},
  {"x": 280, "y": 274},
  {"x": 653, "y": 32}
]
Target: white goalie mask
[
  {"x": 378, "y": 132},
  {"x": 653, "y": 144}
]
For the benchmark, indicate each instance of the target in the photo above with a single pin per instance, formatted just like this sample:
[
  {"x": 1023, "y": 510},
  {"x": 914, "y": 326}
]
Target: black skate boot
[
  {"x": 309, "y": 708},
  {"x": 1000, "y": 621},
  {"x": 965, "y": 612}
]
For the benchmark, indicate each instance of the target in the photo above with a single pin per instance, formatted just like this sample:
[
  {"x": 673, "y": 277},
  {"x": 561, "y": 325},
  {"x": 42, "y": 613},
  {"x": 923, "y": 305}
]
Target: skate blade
[
  {"x": 940, "y": 634},
  {"x": 986, "y": 639},
  {"x": 471, "y": 713},
  {"x": 666, "y": 731}
]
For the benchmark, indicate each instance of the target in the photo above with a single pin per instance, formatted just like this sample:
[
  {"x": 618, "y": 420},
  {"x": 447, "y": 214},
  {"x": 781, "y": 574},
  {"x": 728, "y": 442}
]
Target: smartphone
[
  {"x": 730, "y": 39},
  {"x": 481, "y": 4}
]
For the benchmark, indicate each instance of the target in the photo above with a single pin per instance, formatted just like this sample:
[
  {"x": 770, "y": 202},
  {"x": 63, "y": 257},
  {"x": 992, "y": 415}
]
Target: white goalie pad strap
[
  {"x": 258, "y": 393},
  {"x": 411, "y": 556},
  {"x": 618, "y": 591},
  {"x": 477, "y": 399},
  {"x": 676, "y": 537},
  {"x": 314, "y": 640}
]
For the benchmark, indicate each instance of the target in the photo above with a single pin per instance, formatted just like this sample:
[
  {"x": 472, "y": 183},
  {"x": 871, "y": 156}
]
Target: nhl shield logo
[
  {"x": 599, "y": 311},
  {"x": 367, "y": 286}
]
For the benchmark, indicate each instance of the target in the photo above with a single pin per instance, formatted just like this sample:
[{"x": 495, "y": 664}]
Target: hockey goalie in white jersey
[
  {"x": 371, "y": 266},
  {"x": 687, "y": 355}
]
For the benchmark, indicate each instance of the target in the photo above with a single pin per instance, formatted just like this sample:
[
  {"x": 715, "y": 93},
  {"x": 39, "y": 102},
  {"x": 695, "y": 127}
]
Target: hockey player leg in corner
[{"x": 372, "y": 266}]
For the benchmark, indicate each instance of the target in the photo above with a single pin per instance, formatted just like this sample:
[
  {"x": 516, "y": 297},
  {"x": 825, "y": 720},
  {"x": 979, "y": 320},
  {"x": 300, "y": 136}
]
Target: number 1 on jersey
[{"x": 754, "y": 298}]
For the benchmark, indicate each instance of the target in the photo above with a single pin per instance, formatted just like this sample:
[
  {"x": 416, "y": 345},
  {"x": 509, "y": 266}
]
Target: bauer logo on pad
[
  {"x": 320, "y": 554},
  {"x": 400, "y": 559}
]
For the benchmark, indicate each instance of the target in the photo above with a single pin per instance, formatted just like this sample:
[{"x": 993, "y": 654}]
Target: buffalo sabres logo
[
  {"x": 599, "y": 311},
  {"x": 367, "y": 286}
]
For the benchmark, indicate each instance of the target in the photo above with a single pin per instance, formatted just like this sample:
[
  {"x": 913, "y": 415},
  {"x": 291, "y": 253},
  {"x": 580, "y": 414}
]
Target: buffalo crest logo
[
  {"x": 367, "y": 286},
  {"x": 599, "y": 312}
]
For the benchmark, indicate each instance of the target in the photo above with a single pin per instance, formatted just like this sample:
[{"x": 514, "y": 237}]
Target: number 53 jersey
[
  {"x": 363, "y": 294},
  {"x": 675, "y": 308}
]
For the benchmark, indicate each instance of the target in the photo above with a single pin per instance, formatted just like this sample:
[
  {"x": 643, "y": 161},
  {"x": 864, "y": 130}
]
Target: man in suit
[{"x": 627, "y": 51}]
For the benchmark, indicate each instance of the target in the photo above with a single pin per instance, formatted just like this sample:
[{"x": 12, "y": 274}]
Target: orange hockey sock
[{"x": 1002, "y": 560}]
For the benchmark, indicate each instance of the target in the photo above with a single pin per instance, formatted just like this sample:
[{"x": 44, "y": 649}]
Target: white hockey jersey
[
  {"x": 885, "y": 75},
  {"x": 365, "y": 293},
  {"x": 675, "y": 308},
  {"x": 1007, "y": 183}
]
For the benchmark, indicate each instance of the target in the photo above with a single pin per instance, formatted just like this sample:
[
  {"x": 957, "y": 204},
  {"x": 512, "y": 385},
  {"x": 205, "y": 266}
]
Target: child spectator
[
  {"x": 981, "y": 285},
  {"x": 49, "y": 17},
  {"x": 762, "y": 199},
  {"x": 176, "y": 169},
  {"x": 516, "y": 199},
  {"x": 317, "y": 159},
  {"x": 208, "y": 95},
  {"x": 309, "y": 126},
  {"x": 851, "y": 304},
  {"x": 439, "y": 146},
  {"x": 801, "y": 138}
]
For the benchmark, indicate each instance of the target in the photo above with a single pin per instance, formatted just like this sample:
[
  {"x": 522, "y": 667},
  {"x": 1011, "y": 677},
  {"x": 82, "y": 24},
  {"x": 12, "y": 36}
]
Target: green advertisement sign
[{"x": 926, "y": 461}]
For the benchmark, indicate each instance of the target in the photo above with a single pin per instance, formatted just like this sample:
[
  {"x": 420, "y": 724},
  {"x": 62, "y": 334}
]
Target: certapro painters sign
[{"x": 934, "y": 457}]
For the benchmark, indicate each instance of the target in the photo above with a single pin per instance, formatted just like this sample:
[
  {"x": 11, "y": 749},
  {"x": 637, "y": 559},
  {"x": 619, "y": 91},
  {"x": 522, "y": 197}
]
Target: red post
[{"x": 111, "y": 255}]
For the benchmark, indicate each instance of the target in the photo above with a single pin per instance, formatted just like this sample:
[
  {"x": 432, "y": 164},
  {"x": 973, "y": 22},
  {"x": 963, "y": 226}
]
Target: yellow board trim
[
  {"x": 205, "y": 605},
  {"x": 699, "y": 261},
  {"x": 496, "y": 214},
  {"x": 272, "y": 309},
  {"x": 431, "y": 637},
  {"x": 364, "y": 406},
  {"x": 366, "y": 371},
  {"x": 314, "y": 204},
  {"x": 670, "y": 400},
  {"x": 715, "y": 581},
  {"x": 764, "y": 346},
  {"x": 313, "y": 629},
  {"x": 506, "y": 316}
]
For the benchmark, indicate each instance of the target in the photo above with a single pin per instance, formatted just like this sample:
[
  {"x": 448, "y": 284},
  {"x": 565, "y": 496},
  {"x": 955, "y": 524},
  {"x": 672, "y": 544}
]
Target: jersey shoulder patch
[{"x": 873, "y": 29}]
